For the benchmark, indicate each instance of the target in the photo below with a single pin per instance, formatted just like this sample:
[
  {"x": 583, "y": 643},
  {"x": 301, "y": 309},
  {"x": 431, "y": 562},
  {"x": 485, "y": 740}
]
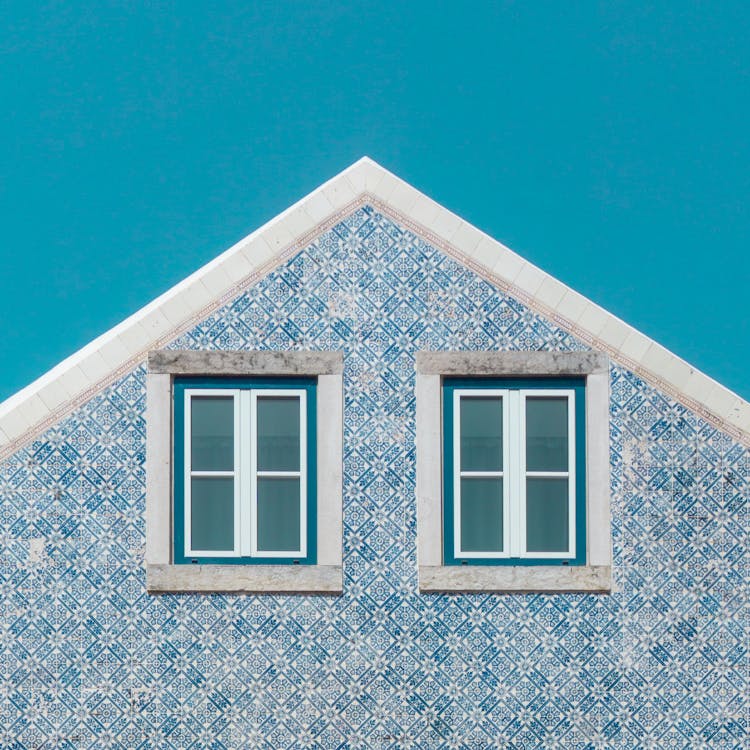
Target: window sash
[
  {"x": 250, "y": 546},
  {"x": 459, "y": 474},
  {"x": 245, "y": 473},
  {"x": 514, "y": 473},
  {"x": 190, "y": 393},
  {"x": 523, "y": 474}
]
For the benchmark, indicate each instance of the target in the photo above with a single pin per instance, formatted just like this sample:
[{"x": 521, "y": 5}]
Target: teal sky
[{"x": 607, "y": 142}]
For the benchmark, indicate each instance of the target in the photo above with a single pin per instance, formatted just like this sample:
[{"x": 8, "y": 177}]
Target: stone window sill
[
  {"x": 245, "y": 579},
  {"x": 590, "y": 579}
]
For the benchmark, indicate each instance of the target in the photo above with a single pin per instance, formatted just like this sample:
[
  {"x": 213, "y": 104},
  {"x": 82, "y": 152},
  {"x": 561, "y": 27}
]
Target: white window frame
[
  {"x": 162, "y": 574},
  {"x": 434, "y": 576},
  {"x": 514, "y": 473},
  {"x": 245, "y": 472}
]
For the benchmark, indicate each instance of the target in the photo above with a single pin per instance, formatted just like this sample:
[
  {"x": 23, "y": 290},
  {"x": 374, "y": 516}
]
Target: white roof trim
[{"x": 47, "y": 400}]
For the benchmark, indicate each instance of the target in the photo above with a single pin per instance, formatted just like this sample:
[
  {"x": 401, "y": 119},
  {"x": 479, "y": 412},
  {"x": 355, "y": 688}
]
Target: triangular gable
[{"x": 76, "y": 379}]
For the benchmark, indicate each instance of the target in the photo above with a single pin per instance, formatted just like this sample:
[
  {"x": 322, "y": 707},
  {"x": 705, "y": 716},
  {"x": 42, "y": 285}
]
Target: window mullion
[
  {"x": 245, "y": 474},
  {"x": 517, "y": 461}
]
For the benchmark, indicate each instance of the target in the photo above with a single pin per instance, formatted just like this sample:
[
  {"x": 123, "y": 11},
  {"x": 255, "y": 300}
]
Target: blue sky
[{"x": 606, "y": 142}]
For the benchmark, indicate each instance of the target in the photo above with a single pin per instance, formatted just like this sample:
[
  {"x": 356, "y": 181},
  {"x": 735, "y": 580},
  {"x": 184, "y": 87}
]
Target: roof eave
[{"x": 50, "y": 398}]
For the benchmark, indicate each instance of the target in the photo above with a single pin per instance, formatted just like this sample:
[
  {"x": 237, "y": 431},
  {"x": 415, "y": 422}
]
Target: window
[
  {"x": 244, "y": 472},
  {"x": 512, "y": 471},
  {"x": 513, "y": 493}
]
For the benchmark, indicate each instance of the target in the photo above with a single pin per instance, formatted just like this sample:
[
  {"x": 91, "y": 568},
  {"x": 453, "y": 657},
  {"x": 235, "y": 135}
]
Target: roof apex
[{"x": 77, "y": 378}]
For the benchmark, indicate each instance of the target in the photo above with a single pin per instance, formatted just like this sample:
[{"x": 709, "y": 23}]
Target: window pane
[
  {"x": 278, "y": 514},
  {"x": 546, "y": 515},
  {"x": 212, "y": 433},
  {"x": 481, "y": 433},
  {"x": 482, "y": 515},
  {"x": 212, "y": 513},
  {"x": 546, "y": 434},
  {"x": 278, "y": 433}
]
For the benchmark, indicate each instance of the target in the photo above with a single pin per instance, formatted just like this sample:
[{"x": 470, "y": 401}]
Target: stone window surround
[
  {"x": 434, "y": 577},
  {"x": 162, "y": 576}
]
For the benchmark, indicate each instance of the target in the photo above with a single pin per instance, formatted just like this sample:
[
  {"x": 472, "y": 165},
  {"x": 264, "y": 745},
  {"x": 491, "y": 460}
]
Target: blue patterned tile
[{"x": 89, "y": 660}]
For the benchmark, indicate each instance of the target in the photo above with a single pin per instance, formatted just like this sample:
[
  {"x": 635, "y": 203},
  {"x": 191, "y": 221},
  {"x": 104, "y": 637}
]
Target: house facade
[{"x": 371, "y": 480}]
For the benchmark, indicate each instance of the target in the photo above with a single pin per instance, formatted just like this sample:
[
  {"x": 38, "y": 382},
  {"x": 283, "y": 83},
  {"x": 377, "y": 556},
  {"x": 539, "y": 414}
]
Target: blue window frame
[
  {"x": 514, "y": 460},
  {"x": 245, "y": 470}
]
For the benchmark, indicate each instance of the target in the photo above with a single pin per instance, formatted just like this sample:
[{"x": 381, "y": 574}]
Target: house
[{"x": 371, "y": 480}]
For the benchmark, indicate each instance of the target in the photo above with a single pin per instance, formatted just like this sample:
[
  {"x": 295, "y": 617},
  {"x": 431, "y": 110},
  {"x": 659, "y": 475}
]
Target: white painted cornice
[{"x": 47, "y": 400}]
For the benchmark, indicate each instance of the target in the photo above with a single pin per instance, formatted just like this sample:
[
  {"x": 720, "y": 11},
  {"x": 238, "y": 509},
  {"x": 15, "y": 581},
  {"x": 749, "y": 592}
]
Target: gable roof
[{"x": 48, "y": 399}]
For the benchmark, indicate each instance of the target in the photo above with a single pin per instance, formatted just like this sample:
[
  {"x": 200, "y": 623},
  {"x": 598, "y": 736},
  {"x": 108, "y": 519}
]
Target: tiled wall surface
[{"x": 89, "y": 660}]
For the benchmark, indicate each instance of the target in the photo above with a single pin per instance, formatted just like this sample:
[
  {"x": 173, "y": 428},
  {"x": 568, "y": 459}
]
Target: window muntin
[
  {"x": 244, "y": 470},
  {"x": 514, "y": 493}
]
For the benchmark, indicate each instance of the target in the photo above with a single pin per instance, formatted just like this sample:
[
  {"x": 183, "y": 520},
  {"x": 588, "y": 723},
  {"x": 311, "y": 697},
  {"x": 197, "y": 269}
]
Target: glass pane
[
  {"x": 546, "y": 434},
  {"x": 212, "y": 513},
  {"x": 278, "y": 433},
  {"x": 482, "y": 515},
  {"x": 481, "y": 433},
  {"x": 212, "y": 433},
  {"x": 278, "y": 514},
  {"x": 546, "y": 515}
]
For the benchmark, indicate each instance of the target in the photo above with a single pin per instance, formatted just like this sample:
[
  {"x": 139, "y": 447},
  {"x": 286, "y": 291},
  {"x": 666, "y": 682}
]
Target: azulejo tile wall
[{"x": 89, "y": 660}]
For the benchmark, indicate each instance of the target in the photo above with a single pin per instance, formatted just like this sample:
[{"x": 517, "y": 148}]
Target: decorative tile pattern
[{"x": 89, "y": 660}]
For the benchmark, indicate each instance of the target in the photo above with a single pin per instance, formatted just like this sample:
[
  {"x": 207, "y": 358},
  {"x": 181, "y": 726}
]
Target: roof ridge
[{"x": 77, "y": 378}]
